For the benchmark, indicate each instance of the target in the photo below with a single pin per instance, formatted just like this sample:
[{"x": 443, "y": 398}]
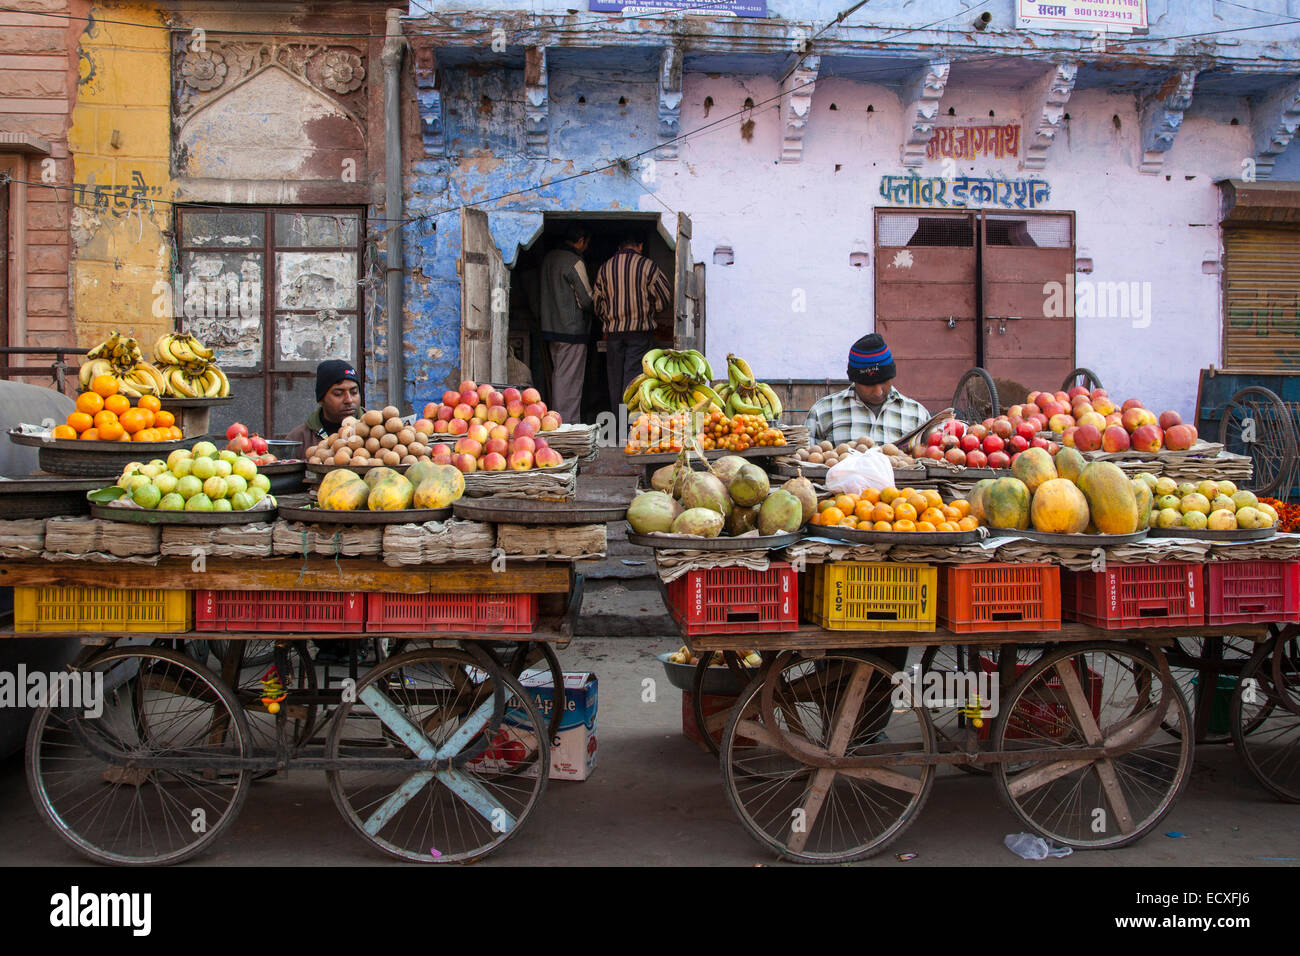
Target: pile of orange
[
  {"x": 105, "y": 415},
  {"x": 895, "y": 510}
]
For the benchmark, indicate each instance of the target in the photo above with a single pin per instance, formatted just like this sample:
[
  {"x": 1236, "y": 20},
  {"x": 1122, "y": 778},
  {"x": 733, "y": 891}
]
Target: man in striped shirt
[
  {"x": 630, "y": 290},
  {"x": 870, "y": 407}
]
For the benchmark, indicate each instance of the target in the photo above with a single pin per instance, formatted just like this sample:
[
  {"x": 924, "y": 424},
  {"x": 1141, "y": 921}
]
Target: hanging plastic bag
[{"x": 857, "y": 472}]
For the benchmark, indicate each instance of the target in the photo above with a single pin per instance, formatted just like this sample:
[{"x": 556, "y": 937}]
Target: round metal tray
[
  {"x": 1235, "y": 534},
  {"x": 326, "y": 469},
  {"x": 897, "y": 537},
  {"x": 286, "y": 467},
  {"x": 143, "y": 516},
  {"x": 45, "y": 497},
  {"x": 667, "y": 458},
  {"x": 962, "y": 473},
  {"x": 77, "y": 446},
  {"x": 689, "y": 542},
  {"x": 523, "y": 511},
  {"x": 200, "y": 401},
  {"x": 1075, "y": 540},
  {"x": 718, "y": 680},
  {"x": 299, "y": 508}
]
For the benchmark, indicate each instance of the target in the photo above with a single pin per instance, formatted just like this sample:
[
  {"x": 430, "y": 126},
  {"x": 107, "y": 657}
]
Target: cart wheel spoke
[{"x": 1263, "y": 720}]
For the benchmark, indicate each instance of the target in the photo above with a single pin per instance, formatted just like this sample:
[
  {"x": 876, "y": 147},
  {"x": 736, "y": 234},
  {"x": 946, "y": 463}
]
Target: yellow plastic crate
[
  {"x": 864, "y": 596},
  {"x": 96, "y": 610}
]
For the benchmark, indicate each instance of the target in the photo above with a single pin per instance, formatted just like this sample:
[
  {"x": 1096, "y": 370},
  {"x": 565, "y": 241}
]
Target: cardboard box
[{"x": 573, "y": 751}]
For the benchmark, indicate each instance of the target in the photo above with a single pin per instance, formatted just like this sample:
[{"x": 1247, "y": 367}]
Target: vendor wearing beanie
[
  {"x": 338, "y": 395},
  {"x": 870, "y": 406}
]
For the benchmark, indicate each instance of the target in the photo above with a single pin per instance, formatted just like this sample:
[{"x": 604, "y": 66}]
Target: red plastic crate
[
  {"x": 460, "y": 613},
  {"x": 995, "y": 597},
  {"x": 1043, "y": 717},
  {"x": 280, "y": 611},
  {"x": 1168, "y": 594},
  {"x": 1245, "y": 592},
  {"x": 736, "y": 600}
]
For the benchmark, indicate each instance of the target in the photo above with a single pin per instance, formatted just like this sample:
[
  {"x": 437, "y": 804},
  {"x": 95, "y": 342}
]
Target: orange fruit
[
  {"x": 176, "y": 432},
  {"x": 80, "y": 421},
  {"x": 889, "y": 494},
  {"x": 111, "y": 431},
  {"x": 925, "y": 526},
  {"x": 90, "y": 434},
  {"x": 904, "y": 524},
  {"x": 832, "y": 515},
  {"x": 104, "y": 418},
  {"x": 823, "y": 505},
  {"x": 904, "y": 510},
  {"x": 968, "y": 523},
  {"x": 104, "y": 385},
  {"x": 150, "y": 402},
  {"x": 882, "y": 512},
  {"x": 845, "y": 503},
  {"x": 148, "y": 417},
  {"x": 962, "y": 505},
  {"x": 933, "y": 516},
  {"x": 64, "y": 431},
  {"x": 933, "y": 498},
  {"x": 949, "y": 526},
  {"x": 918, "y": 501},
  {"x": 871, "y": 494},
  {"x": 162, "y": 419},
  {"x": 952, "y": 514},
  {"x": 849, "y": 522},
  {"x": 133, "y": 420},
  {"x": 882, "y": 526},
  {"x": 117, "y": 404},
  {"x": 816, "y": 519},
  {"x": 863, "y": 511},
  {"x": 90, "y": 403}
]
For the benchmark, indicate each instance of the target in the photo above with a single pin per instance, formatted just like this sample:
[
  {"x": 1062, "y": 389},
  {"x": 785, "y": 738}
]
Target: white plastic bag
[
  {"x": 869, "y": 469},
  {"x": 1030, "y": 847}
]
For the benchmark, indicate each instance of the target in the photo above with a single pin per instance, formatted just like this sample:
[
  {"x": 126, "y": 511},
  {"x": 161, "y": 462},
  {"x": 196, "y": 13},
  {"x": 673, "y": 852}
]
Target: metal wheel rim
[
  {"x": 1235, "y": 656},
  {"x": 1088, "y": 376},
  {"x": 1034, "y": 715},
  {"x": 175, "y": 796},
  {"x": 1266, "y": 732},
  {"x": 755, "y": 777},
  {"x": 975, "y": 397},
  {"x": 395, "y": 812},
  {"x": 1273, "y": 452}
]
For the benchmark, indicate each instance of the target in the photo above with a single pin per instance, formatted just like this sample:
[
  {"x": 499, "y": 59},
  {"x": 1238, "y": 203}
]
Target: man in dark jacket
[
  {"x": 338, "y": 395},
  {"x": 630, "y": 291},
  {"x": 566, "y": 322}
]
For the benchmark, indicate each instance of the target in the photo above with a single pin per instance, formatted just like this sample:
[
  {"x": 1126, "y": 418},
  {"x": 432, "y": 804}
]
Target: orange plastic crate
[{"x": 996, "y": 597}]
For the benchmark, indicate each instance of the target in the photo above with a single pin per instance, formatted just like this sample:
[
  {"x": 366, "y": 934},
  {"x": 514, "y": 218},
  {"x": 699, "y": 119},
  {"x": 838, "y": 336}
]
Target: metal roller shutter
[{"x": 1261, "y": 299}]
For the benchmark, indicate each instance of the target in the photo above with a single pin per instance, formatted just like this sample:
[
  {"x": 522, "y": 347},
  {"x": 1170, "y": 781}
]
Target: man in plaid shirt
[{"x": 870, "y": 406}]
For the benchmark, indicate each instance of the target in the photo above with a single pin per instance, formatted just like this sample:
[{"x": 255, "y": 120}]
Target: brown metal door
[
  {"x": 1024, "y": 340},
  {"x": 1261, "y": 299},
  {"x": 925, "y": 300}
]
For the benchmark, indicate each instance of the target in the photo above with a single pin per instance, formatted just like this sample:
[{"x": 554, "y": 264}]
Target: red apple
[
  {"x": 481, "y": 412},
  {"x": 521, "y": 460},
  {"x": 1133, "y": 418},
  {"x": 534, "y": 410},
  {"x": 1148, "y": 438},
  {"x": 515, "y": 408},
  {"x": 1067, "y": 436},
  {"x": 550, "y": 422},
  {"x": 548, "y": 458},
  {"x": 499, "y": 431},
  {"x": 451, "y": 398},
  {"x": 431, "y": 410},
  {"x": 512, "y": 424},
  {"x": 498, "y": 445},
  {"x": 999, "y": 459},
  {"x": 1169, "y": 419},
  {"x": 976, "y": 459},
  {"x": 523, "y": 443},
  {"x": 466, "y": 463},
  {"x": 496, "y": 399},
  {"x": 534, "y": 421},
  {"x": 483, "y": 391},
  {"x": 469, "y": 386},
  {"x": 1130, "y": 403},
  {"x": 1180, "y": 437},
  {"x": 493, "y": 461},
  {"x": 1088, "y": 438},
  {"x": 1115, "y": 438},
  {"x": 530, "y": 396},
  {"x": 477, "y": 432},
  {"x": 440, "y": 426},
  {"x": 439, "y": 448},
  {"x": 445, "y": 413},
  {"x": 540, "y": 443},
  {"x": 463, "y": 411},
  {"x": 468, "y": 446},
  {"x": 236, "y": 429},
  {"x": 1076, "y": 391},
  {"x": 458, "y": 426},
  {"x": 512, "y": 395}
]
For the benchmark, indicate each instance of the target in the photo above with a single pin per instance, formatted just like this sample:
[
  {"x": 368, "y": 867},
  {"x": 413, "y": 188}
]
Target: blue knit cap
[{"x": 870, "y": 361}]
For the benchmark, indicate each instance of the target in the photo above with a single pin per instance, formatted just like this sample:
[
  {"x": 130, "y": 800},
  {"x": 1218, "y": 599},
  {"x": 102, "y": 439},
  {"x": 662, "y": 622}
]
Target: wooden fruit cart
[{"x": 435, "y": 754}]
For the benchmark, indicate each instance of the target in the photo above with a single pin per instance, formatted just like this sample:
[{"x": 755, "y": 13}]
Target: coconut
[
  {"x": 749, "y": 485},
  {"x": 727, "y": 466},
  {"x": 652, "y": 511},
  {"x": 802, "y": 489},
  {"x": 662, "y": 480},
  {"x": 702, "y": 490},
  {"x": 704, "y": 522},
  {"x": 742, "y": 520},
  {"x": 781, "y": 512}
]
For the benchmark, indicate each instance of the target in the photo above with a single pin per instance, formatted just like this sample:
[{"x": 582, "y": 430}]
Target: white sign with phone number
[{"x": 1116, "y": 16}]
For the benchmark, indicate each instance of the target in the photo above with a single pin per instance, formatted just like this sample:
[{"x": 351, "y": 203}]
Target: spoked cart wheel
[
  {"x": 1265, "y": 715},
  {"x": 1081, "y": 376},
  {"x": 155, "y": 777},
  {"x": 976, "y": 397},
  {"x": 1257, "y": 423},
  {"x": 464, "y": 751},
  {"x": 1196, "y": 664},
  {"x": 813, "y": 757},
  {"x": 709, "y": 724},
  {"x": 1114, "y": 697}
]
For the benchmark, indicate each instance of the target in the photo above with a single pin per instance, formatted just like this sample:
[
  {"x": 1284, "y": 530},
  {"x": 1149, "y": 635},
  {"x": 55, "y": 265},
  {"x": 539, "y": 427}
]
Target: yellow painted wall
[{"x": 119, "y": 250}]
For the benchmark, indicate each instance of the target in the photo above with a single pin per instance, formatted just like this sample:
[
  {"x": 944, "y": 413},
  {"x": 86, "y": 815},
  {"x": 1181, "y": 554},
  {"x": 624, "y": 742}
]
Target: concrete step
[{"x": 613, "y": 608}]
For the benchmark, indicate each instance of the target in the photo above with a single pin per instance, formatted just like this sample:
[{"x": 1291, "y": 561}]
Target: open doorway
[{"x": 607, "y": 230}]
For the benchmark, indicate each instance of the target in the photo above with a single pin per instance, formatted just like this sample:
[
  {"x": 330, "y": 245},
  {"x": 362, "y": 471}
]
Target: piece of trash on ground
[
  {"x": 906, "y": 857},
  {"x": 1030, "y": 847}
]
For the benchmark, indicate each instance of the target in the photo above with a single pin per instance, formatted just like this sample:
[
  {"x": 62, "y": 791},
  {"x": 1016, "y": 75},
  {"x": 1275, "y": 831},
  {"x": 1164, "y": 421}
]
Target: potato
[
  {"x": 391, "y": 459},
  {"x": 342, "y": 456},
  {"x": 373, "y": 418},
  {"x": 391, "y": 411},
  {"x": 372, "y": 445},
  {"x": 405, "y": 436},
  {"x": 400, "y": 450},
  {"x": 816, "y": 457},
  {"x": 393, "y": 425},
  {"x": 388, "y": 441},
  {"x": 826, "y": 446}
]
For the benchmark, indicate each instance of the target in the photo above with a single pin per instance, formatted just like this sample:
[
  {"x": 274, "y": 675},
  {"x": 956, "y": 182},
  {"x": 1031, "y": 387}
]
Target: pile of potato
[
  {"x": 376, "y": 438},
  {"x": 828, "y": 454}
]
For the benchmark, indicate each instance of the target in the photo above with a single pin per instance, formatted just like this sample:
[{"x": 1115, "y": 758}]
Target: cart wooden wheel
[
  {"x": 1188, "y": 660},
  {"x": 1257, "y": 423},
  {"x": 709, "y": 724},
  {"x": 1112, "y": 696},
  {"x": 1081, "y": 376},
  {"x": 976, "y": 397},
  {"x": 477, "y": 750},
  {"x": 1265, "y": 715},
  {"x": 84, "y": 787},
  {"x": 797, "y": 782}
]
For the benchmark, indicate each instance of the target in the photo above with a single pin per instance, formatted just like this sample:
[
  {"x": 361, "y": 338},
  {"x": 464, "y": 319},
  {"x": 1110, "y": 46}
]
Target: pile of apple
[
  {"x": 252, "y": 446},
  {"x": 493, "y": 430},
  {"x": 1090, "y": 421},
  {"x": 993, "y": 443}
]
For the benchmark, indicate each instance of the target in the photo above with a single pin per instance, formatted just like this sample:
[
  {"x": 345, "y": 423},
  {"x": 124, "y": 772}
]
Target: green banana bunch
[{"x": 745, "y": 395}]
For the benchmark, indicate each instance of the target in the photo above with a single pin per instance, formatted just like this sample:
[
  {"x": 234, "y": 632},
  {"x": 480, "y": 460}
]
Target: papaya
[
  {"x": 1111, "y": 500},
  {"x": 976, "y": 499},
  {"x": 443, "y": 485},
  {"x": 1142, "y": 492},
  {"x": 1069, "y": 463},
  {"x": 375, "y": 475},
  {"x": 418, "y": 472},
  {"x": 334, "y": 479},
  {"x": 1059, "y": 507},
  {"x": 1034, "y": 467},
  {"x": 391, "y": 494},
  {"x": 349, "y": 496},
  {"x": 1006, "y": 504}
]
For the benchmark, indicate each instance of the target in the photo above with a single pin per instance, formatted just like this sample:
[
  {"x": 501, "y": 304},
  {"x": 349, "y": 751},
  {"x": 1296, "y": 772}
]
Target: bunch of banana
[
  {"x": 120, "y": 357},
  {"x": 186, "y": 365},
  {"x": 745, "y": 395},
  {"x": 672, "y": 381},
  {"x": 121, "y": 351},
  {"x": 144, "y": 379}
]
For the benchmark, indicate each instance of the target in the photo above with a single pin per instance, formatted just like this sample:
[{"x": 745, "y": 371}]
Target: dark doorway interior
[{"x": 525, "y": 326}]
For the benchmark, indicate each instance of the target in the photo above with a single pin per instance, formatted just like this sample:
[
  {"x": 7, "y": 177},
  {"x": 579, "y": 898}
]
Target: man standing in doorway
[
  {"x": 566, "y": 323},
  {"x": 630, "y": 291}
]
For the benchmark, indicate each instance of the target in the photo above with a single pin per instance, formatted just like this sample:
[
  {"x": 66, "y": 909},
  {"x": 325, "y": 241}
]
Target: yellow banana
[
  {"x": 199, "y": 349},
  {"x": 648, "y": 360},
  {"x": 769, "y": 396},
  {"x": 224, "y": 390},
  {"x": 630, "y": 392},
  {"x": 744, "y": 375}
]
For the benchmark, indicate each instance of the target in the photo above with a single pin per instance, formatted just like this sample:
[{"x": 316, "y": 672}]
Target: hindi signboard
[
  {"x": 720, "y": 8},
  {"x": 1113, "y": 16}
]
